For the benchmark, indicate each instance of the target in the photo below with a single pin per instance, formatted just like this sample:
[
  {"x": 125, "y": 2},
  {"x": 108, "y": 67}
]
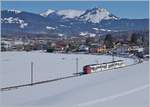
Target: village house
[
  {"x": 124, "y": 48},
  {"x": 83, "y": 48},
  {"x": 5, "y": 45},
  {"x": 60, "y": 46},
  {"x": 136, "y": 49},
  {"x": 97, "y": 48}
]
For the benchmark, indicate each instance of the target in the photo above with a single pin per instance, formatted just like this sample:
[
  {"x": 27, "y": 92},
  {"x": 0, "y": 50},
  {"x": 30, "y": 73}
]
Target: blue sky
[{"x": 124, "y": 9}]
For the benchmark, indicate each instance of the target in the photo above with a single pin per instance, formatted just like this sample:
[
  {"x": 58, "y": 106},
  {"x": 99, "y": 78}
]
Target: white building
[
  {"x": 83, "y": 48},
  {"x": 6, "y": 44}
]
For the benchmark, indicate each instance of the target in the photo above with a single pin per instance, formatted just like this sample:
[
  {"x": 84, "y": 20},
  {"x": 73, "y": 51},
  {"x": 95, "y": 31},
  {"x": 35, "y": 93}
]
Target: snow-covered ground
[
  {"x": 114, "y": 88},
  {"x": 46, "y": 65}
]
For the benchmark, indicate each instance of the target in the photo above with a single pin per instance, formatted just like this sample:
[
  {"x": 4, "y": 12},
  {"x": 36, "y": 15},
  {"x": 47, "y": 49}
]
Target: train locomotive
[{"x": 103, "y": 66}]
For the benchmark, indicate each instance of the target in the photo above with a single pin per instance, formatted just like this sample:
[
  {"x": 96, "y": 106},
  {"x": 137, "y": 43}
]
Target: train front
[{"x": 87, "y": 69}]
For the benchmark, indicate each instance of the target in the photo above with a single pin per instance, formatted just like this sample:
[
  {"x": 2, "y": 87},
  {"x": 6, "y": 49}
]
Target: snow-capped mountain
[
  {"x": 95, "y": 15},
  {"x": 8, "y": 19},
  {"x": 12, "y": 20},
  {"x": 48, "y": 12},
  {"x": 68, "y": 22},
  {"x": 68, "y": 13}
]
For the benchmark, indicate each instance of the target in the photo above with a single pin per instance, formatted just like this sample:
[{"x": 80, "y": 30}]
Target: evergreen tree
[
  {"x": 108, "y": 41},
  {"x": 134, "y": 39}
]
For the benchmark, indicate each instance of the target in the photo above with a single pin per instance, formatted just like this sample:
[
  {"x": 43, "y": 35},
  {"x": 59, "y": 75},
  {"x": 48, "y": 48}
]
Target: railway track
[{"x": 35, "y": 83}]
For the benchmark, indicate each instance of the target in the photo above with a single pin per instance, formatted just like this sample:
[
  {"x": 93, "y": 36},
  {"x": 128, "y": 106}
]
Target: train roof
[{"x": 105, "y": 63}]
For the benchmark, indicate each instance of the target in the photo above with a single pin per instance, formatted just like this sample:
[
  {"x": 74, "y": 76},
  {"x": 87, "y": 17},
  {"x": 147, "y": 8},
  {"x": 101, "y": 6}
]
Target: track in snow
[{"x": 113, "y": 96}]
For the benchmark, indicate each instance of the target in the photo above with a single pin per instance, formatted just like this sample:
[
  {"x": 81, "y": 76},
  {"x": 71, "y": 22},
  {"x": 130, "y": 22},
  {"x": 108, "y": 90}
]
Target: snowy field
[
  {"x": 46, "y": 66},
  {"x": 114, "y": 88}
]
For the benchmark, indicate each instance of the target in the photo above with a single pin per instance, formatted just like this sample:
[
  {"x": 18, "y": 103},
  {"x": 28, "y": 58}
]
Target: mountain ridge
[{"x": 96, "y": 21}]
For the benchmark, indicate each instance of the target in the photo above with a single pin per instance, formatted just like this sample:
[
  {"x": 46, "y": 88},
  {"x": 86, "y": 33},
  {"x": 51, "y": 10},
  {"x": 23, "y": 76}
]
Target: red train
[{"x": 103, "y": 66}]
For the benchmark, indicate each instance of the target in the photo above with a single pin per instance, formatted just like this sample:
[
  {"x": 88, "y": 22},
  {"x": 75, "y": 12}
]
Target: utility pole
[
  {"x": 112, "y": 54},
  {"x": 31, "y": 73},
  {"x": 77, "y": 60}
]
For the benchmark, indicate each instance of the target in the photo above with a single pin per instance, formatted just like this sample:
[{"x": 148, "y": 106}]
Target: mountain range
[{"x": 69, "y": 22}]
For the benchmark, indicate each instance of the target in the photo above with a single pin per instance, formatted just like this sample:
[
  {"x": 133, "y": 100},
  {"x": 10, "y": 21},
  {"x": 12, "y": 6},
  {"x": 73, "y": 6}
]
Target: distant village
[{"x": 88, "y": 45}]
